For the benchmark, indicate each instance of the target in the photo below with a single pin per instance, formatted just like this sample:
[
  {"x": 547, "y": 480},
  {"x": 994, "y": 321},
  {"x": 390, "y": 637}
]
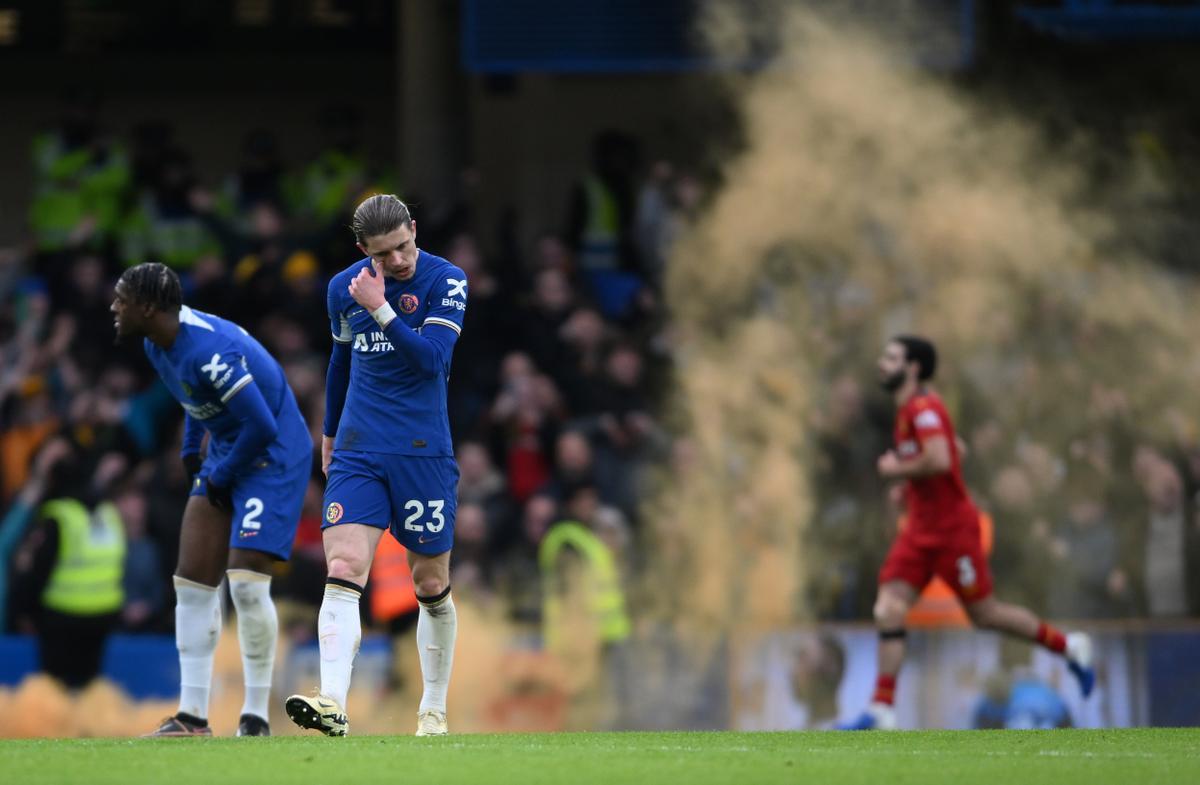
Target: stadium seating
[{"x": 1114, "y": 20}]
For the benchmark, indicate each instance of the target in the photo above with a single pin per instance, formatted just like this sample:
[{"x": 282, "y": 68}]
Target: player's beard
[
  {"x": 124, "y": 337},
  {"x": 119, "y": 338},
  {"x": 893, "y": 382}
]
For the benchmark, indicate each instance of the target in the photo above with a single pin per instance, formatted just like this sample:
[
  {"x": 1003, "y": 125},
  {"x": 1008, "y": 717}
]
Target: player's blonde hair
[{"x": 378, "y": 215}]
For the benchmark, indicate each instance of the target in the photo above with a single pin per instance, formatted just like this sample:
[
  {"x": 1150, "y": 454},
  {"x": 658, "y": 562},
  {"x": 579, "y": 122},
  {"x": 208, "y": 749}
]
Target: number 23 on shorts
[{"x": 417, "y": 521}]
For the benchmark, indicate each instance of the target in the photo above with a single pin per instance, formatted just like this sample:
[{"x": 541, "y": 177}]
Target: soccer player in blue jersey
[
  {"x": 246, "y": 495},
  {"x": 386, "y": 451}
]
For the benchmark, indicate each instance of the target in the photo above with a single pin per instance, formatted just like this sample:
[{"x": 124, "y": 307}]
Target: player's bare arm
[{"x": 933, "y": 459}]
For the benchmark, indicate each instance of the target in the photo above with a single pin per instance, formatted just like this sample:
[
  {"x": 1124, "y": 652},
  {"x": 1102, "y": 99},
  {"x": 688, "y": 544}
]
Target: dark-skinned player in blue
[{"x": 244, "y": 506}]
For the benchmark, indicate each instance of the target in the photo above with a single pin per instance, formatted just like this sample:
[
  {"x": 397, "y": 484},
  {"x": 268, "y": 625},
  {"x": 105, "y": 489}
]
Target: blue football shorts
[
  {"x": 266, "y": 507},
  {"x": 414, "y": 496}
]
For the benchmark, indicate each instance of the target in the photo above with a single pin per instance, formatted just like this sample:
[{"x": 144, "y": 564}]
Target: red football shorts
[{"x": 958, "y": 559}]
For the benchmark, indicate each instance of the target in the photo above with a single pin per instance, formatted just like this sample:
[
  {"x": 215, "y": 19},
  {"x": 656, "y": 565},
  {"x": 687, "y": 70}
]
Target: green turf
[{"x": 1128, "y": 757}]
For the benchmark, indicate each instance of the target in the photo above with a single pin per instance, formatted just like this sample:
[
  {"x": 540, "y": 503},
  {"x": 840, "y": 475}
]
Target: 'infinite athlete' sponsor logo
[
  {"x": 202, "y": 412},
  {"x": 378, "y": 342}
]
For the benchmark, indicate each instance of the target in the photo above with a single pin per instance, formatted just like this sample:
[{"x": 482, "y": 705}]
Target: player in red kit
[{"x": 942, "y": 537}]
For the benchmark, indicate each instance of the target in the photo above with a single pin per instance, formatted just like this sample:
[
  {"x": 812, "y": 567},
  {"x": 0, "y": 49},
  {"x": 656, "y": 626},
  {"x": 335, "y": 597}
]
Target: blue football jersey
[
  {"x": 211, "y": 360},
  {"x": 390, "y": 408}
]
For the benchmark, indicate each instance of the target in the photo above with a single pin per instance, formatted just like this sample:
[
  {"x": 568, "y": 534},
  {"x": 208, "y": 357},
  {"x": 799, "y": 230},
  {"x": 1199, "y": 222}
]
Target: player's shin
[
  {"x": 892, "y": 646},
  {"x": 437, "y": 628},
  {"x": 197, "y": 627},
  {"x": 258, "y": 629},
  {"x": 339, "y": 628}
]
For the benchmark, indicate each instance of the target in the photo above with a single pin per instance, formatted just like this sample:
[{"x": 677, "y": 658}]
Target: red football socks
[
  {"x": 1051, "y": 638},
  {"x": 885, "y": 690}
]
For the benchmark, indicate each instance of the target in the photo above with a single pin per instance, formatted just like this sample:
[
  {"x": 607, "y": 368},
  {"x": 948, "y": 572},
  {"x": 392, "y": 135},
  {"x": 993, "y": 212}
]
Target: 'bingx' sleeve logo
[
  {"x": 457, "y": 287},
  {"x": 214, "y": 368}
]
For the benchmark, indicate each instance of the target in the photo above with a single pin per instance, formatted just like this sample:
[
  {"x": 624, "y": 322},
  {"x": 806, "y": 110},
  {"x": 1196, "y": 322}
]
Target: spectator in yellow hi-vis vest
[
  {"x": 69, "y": 575},
  {"x": 81, "y": 179},
  {"x": 584, "y": 619}
]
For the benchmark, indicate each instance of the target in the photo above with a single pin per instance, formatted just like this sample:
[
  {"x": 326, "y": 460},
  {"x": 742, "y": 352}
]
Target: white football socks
[
  {"x": 340, "y": 630},
  {"x": 437, "y": 627},
  {"x": 258, "y": 629},
  {"x": 197, "y": 627}
]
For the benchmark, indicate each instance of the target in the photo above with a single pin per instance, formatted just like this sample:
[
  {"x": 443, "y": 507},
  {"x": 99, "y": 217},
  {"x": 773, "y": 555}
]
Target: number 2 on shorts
[{"x": 254, "y": 508}]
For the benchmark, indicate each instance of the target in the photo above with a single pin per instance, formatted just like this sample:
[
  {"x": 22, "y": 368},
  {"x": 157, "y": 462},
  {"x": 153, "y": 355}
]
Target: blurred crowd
[{"x": 556, "y": 400}]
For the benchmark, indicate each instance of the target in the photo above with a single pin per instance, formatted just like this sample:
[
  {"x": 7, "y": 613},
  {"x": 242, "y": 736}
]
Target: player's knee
[
  {"x": 430, "y": 586},
  {"x": 982, "y": 615},
  {"x": 251, "y": 592},
  {"x": 242, "y": 594},
  {"x": 882, "y": 613},
  {"x": 348, "y": 567},
  {"x": 889, "y": 611}
]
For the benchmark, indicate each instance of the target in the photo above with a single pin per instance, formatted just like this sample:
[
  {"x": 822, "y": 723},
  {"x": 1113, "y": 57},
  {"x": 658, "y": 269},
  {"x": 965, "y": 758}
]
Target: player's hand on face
[
  {"x": 888, "y": 464},
  {"x": 367, "y": 287}
]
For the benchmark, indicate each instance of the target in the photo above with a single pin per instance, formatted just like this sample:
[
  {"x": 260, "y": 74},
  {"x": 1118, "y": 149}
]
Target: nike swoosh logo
[{"x": 356, "y": 313}]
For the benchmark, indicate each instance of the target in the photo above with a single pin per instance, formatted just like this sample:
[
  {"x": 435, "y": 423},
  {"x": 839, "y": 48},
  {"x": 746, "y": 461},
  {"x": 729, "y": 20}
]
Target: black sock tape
[
  {"x": 344, "y": 584},
  {"x": 434, "y": 600}
]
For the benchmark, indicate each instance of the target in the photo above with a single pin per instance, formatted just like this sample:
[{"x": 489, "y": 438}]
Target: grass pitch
[{"x": 1137, "y": 757}]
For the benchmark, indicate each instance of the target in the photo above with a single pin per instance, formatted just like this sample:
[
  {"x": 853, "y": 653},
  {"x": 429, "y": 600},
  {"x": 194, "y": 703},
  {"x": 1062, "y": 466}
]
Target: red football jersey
[{"x": 939, "y": 503}]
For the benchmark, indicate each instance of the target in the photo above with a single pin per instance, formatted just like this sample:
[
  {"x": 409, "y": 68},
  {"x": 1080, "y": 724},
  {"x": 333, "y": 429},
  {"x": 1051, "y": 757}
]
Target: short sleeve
[
  {"x": 927, "y": 423},
  {"x": 448, "y": 300},
  {"x": 339, "y": 326},
  {"x": 225, "y": 372}
]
